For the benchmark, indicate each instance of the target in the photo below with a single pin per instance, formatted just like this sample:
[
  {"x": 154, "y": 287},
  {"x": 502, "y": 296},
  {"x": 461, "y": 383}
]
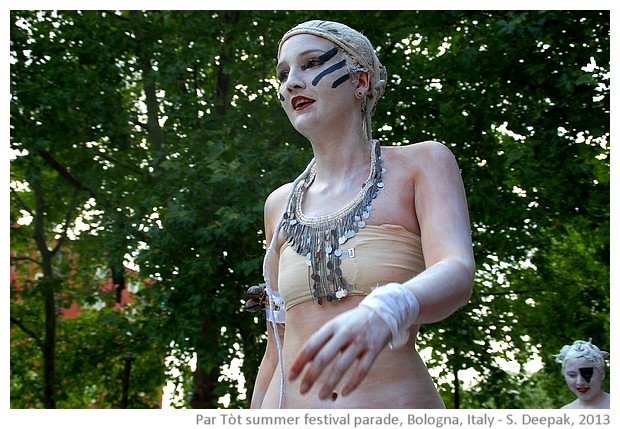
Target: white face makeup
[
  {"x": 582, "y": 378},
  {"x": 314, "y": 79},
  {"x": 319, "y": 58}
]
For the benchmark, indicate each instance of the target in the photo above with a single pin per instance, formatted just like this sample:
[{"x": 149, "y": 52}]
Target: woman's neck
[{"x": 338, "y": 161}]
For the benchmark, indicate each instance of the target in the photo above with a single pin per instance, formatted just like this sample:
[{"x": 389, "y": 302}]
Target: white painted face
[
  {"x": 583, "y": 378},
  {"x": 315, "y": 85}
]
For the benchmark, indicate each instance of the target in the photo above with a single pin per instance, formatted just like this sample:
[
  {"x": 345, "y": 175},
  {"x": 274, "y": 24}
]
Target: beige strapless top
[{"x": 377, "y": 255}]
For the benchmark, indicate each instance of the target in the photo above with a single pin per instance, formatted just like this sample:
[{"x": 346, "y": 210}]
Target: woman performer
[
  {"x": 583, "y": 367},
  {"x": 367, "y": 244}
]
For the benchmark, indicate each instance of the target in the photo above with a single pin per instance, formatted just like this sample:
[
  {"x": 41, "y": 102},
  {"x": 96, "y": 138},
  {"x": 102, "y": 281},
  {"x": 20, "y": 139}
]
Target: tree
[
  {"x": 63, "y": 181},
  {"x": 160, "y": 131}
]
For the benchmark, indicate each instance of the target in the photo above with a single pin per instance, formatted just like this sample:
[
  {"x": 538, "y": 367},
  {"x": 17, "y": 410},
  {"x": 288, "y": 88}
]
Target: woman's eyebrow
[
  {"x": 323, "y": 57},
  {"x": 304, "y": 53},
  {"x": 328, "y": 55},
  {"x": 311, "y": 51}
]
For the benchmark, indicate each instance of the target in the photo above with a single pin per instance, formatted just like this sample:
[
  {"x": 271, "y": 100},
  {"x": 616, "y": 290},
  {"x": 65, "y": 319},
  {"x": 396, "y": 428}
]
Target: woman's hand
[{"x": 355, "y": 335}]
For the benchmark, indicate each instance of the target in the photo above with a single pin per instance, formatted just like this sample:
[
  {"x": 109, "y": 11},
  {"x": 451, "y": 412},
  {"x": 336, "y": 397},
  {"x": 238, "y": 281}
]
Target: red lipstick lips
[{"x": 299, "y": 102}]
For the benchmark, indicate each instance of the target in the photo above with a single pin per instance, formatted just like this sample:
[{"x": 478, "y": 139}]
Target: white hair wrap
[
  {"x": 582, "y": 349},
  {"x": 398, "y": 308},
  {"x": 360, "y": 51}
]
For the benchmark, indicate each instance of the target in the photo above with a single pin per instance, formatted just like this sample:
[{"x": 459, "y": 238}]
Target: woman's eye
[
  {"x": 311, "y": 63},
  {"x": 314, "y": 62}
]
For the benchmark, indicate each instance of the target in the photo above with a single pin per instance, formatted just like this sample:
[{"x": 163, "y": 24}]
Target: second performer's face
[
  {"x": 582, "y": 378},
  {"x": 315, "y": 85}
]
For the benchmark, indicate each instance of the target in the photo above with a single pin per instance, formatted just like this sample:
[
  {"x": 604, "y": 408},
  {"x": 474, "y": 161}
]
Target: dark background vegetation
[{"x": 150, "y": 139}]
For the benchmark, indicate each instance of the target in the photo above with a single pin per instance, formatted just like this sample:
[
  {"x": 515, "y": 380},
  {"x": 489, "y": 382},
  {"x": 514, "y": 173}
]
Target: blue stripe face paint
[
  {"x": 327, "y": 71},
  {"x": 319, "y": 61},
  {"x": 342, "y": 79},
  {"x": 322, "y": 59}
]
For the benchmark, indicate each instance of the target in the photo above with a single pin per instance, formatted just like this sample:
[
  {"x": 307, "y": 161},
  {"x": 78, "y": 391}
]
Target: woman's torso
[{"x": 398, "y": 378}]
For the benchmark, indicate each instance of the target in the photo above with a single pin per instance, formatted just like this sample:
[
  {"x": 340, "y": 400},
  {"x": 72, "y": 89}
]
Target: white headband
[{"x": 582, "y": 349}]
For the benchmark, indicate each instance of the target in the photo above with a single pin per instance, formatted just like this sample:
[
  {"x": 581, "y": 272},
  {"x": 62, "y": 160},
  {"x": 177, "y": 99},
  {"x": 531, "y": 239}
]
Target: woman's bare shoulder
[
  {"x": 571, "y": 405},
  {"x": 277, "y": 197},
  {"x": 275, "y": 204},
  {"x": 425, "y": 149},
  {"x": 423, "y": 156}
]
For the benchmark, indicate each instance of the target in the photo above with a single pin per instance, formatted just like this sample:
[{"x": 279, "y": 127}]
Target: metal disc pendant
[{"x": 321, "y": 239}]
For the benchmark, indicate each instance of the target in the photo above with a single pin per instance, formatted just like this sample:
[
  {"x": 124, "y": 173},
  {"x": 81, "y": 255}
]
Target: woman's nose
[
  {"x": 581, "y": 381},
  {"x": 294, "y": 79}
]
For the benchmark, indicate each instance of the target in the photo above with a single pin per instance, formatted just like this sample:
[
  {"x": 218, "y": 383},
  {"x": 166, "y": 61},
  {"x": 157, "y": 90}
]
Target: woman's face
[
  {"x": 582, "y": 378},
  {"x": 316, "y": 89}
]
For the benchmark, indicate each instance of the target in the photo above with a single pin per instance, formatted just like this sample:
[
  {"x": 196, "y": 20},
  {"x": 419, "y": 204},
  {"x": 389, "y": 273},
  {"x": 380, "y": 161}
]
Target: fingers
[
  {"x": 341, "y": 365},
  {"x": 341, "y": 346},
  {"x": 308, "y": 352},
  {"x": 323, "y": 353},
  {"x": 361, "y": 370}
]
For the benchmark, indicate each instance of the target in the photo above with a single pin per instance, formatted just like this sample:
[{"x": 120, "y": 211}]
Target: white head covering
[
  {"x": 361, "y": 54},
  {"x": 582, "y": 349}
]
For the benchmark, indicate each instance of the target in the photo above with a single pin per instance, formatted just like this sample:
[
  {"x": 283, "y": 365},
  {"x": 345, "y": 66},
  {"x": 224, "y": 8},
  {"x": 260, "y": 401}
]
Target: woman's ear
[{"x": 363, "y": 82}]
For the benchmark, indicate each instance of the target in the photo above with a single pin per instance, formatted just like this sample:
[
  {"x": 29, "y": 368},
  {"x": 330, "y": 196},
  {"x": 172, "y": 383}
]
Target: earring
[{"x": 359, "y": 93}]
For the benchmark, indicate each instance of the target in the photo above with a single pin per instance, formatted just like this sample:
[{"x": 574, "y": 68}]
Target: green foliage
[
  {"x": 153, "y": 138},
  {"x": 94, "y": 349}
]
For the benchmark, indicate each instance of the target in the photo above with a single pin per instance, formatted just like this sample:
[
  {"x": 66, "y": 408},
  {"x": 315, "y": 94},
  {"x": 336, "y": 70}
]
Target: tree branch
[
  {"x": 27, "y": 331},
  {"x": 64, "y": 173},
  {"x": 21, "y": 202},
  {"x": 15, "y": 259}
]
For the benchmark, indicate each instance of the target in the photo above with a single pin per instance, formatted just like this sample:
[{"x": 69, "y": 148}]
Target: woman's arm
[
  {"x": 274, "y": 206},
  {"x": 441, "y": 210}
]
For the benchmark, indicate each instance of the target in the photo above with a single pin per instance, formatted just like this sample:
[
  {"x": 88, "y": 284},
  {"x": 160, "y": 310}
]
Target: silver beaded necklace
[{"x": 319, "y": 239}]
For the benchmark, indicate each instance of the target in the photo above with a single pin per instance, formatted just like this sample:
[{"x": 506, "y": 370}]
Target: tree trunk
[
  {"x": 455, "y": 370},
  {"x": 47, "y": 286},
  {"x": 204, "y": 386},
  {"x": 205, "y": 382},
  {"x": 49, "y": 348}
]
